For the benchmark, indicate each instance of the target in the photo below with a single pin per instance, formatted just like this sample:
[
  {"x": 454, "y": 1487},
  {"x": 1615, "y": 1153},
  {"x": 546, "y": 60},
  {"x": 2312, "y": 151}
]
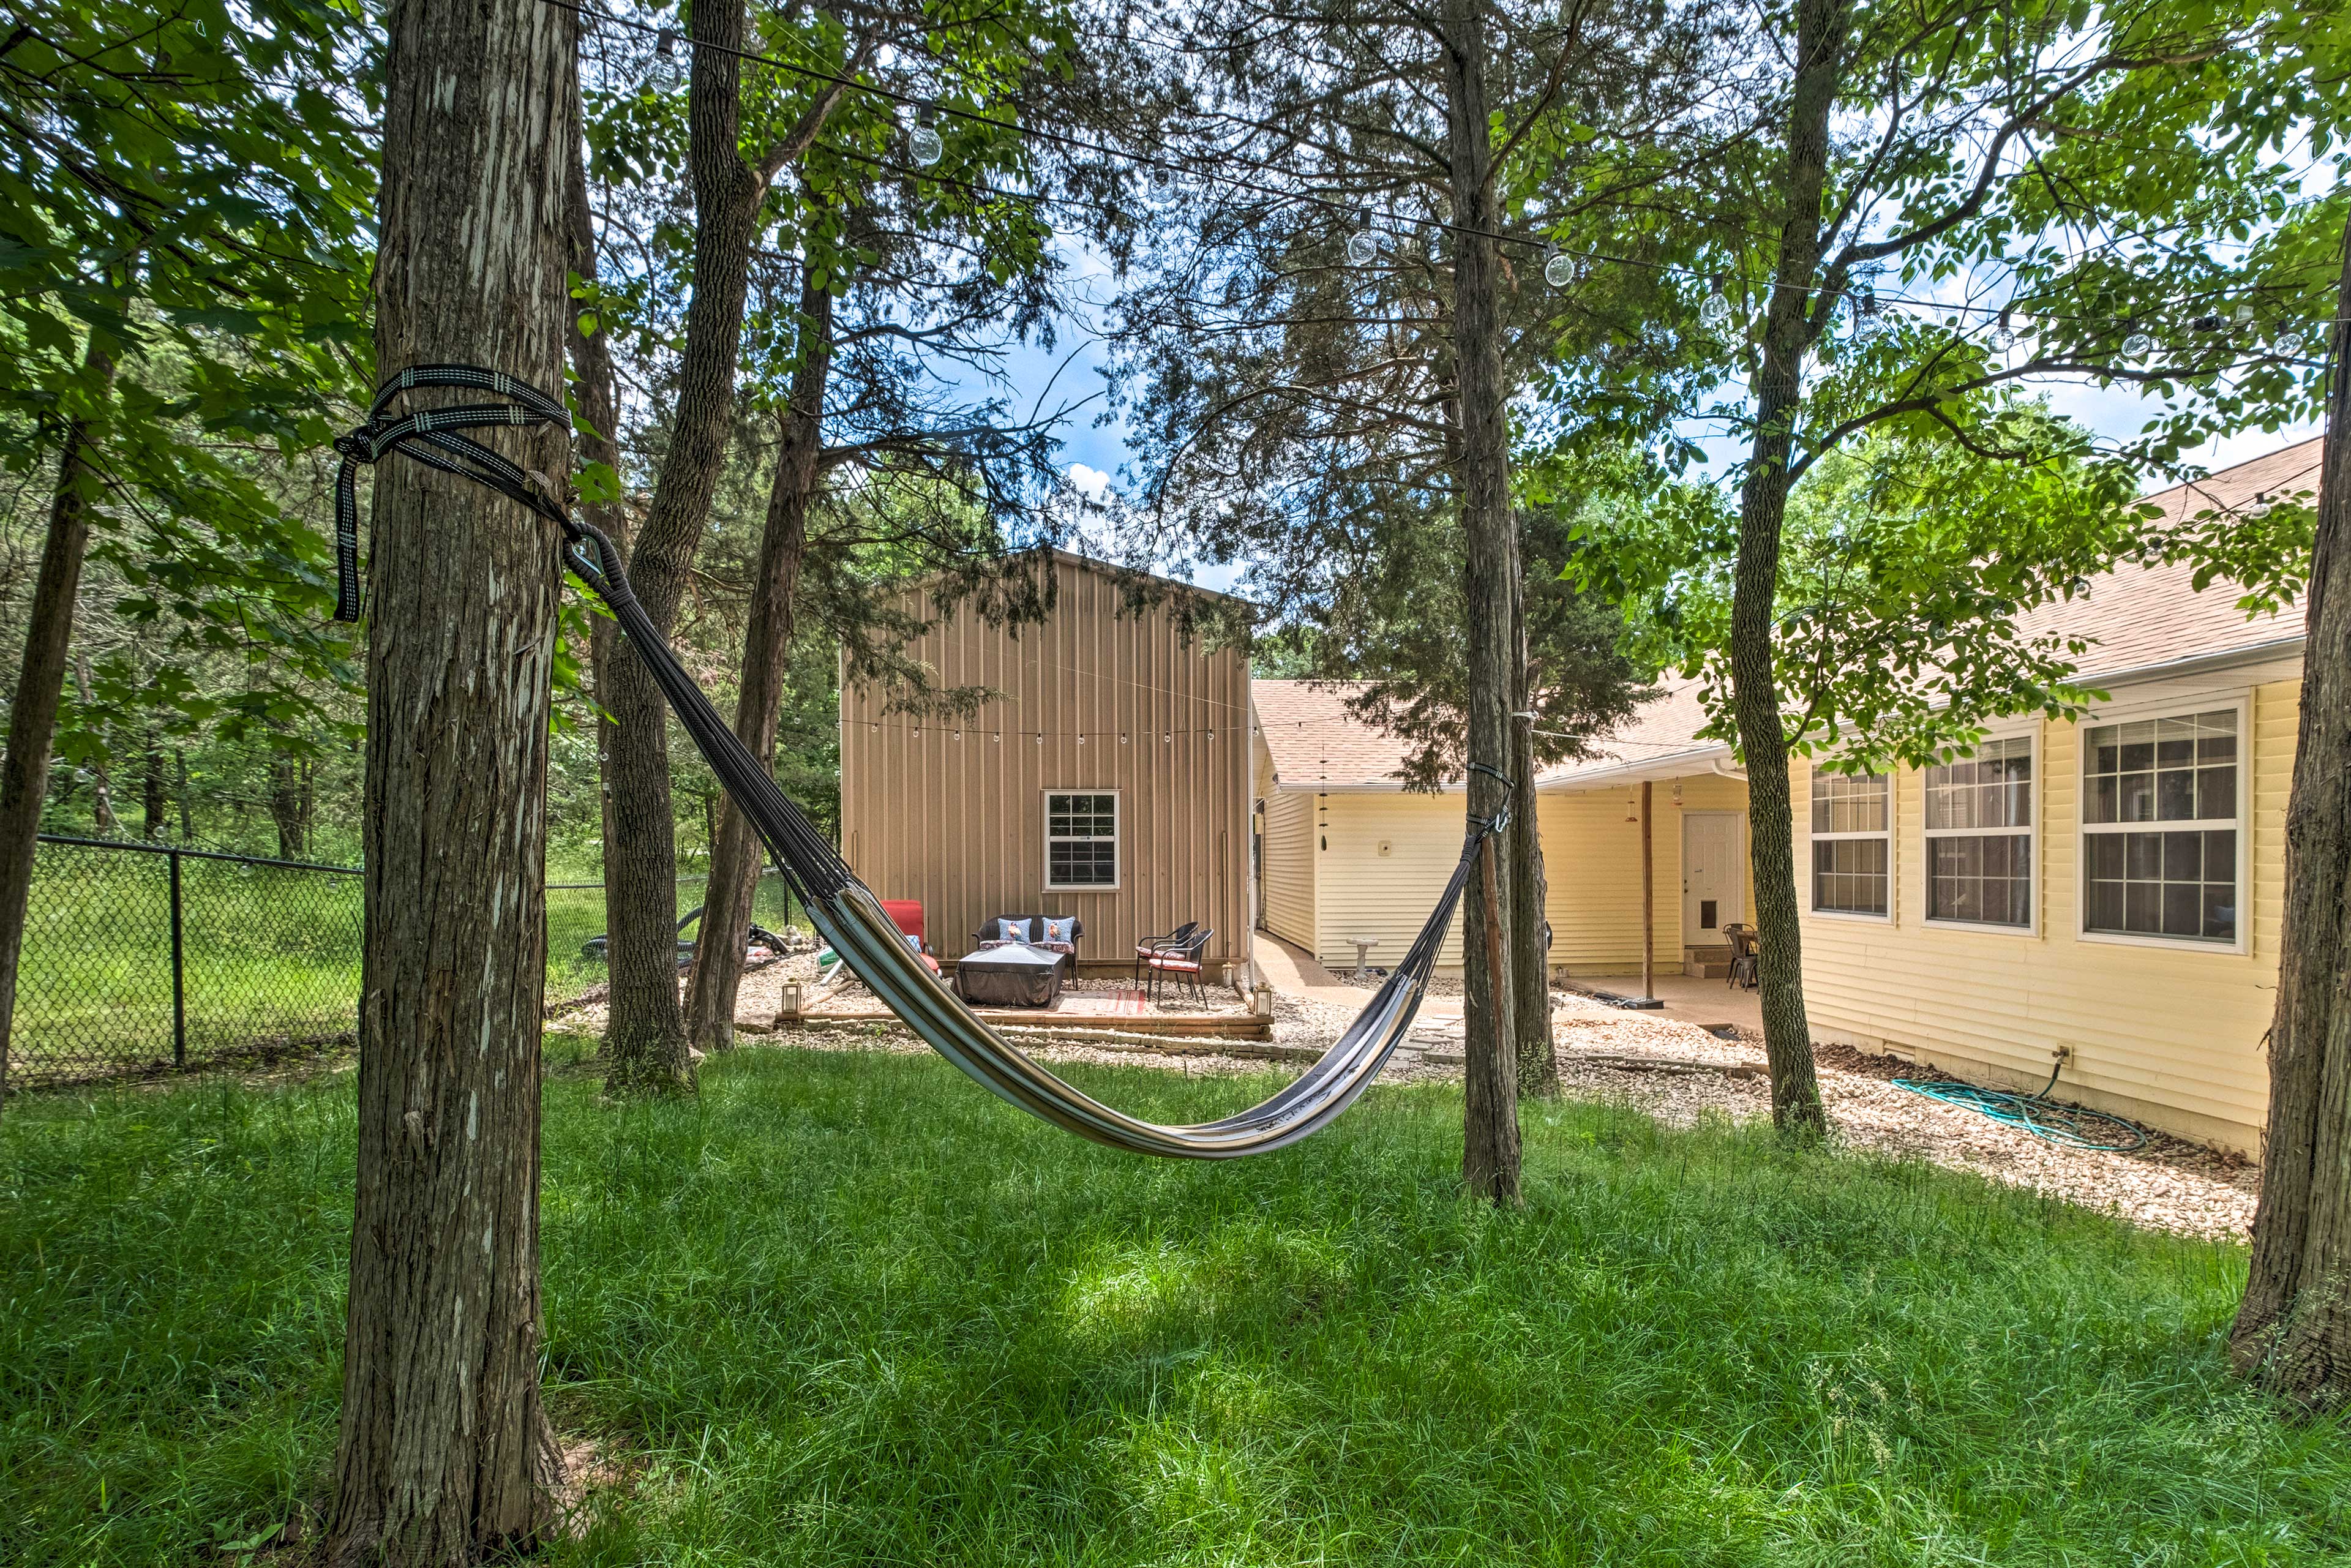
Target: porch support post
[{"x": 1648, "y": 900}]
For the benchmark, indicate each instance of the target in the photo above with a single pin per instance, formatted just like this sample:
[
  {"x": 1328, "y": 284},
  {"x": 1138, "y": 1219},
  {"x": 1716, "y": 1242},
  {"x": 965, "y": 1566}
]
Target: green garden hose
[{"x": 2072, "y": 1126}]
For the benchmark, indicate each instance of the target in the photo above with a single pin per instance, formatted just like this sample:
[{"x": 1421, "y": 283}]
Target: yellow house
[{"x": 2108, "y": 889}]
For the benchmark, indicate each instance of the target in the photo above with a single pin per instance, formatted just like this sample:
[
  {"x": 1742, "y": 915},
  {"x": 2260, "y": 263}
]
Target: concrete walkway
[
  {"x": 1687, "y": 999},
  {"x": 1292, "y": 971}
]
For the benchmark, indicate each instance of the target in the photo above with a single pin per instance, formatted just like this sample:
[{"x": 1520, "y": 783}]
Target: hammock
[{"x": 846, "y": 912}]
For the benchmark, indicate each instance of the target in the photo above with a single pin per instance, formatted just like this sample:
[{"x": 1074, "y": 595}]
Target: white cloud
[{"x": 1090, "y": 483}]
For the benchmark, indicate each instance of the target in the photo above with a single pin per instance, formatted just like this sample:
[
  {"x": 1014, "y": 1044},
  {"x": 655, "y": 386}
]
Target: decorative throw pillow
[
  {"x": 1058, "y": 930},
  {"x": 1011, "y": 930}
]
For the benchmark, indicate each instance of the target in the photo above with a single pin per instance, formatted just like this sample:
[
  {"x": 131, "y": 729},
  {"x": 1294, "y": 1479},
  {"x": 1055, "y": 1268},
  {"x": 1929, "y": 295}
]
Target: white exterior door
[{"x": 1713, "y": 885}]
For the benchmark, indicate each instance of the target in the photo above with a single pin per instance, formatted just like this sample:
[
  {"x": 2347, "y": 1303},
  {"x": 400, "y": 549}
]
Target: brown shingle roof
[
  {"x": 2135, "y": 617},
  {"x": 1317, "y": 743}
]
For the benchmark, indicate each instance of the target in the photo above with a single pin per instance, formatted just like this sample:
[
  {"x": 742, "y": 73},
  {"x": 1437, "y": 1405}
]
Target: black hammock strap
[{"x": 844, "y": 910}]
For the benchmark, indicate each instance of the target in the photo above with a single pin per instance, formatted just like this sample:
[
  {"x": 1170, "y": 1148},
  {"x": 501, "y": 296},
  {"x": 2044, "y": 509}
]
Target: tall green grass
[{"x": 850, "y": 1309}]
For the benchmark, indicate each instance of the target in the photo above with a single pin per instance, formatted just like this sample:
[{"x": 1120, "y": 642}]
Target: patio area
[{"x": 1710, "y": 1004}]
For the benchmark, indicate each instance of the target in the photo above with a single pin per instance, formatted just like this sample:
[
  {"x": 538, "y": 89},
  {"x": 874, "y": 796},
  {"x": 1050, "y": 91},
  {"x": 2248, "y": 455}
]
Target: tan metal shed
[{"x": 1108, "y": 778}]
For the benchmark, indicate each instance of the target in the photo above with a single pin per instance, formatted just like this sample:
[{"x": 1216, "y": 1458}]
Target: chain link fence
[{"x": 142, "y": 958}]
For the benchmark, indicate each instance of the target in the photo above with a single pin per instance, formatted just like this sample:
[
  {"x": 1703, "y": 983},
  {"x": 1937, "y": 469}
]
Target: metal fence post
[{"x": 179, "y": 977}]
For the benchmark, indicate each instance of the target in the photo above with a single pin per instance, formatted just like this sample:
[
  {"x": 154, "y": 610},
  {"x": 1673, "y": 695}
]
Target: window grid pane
[
  {"x": 1081, "y": 839},
  {"x": 1849, "y": 876},
  {"x": 1849, "y": 803},
  {"x": 1983, "y": 878},
  {"x": 2182, "y": 769}
]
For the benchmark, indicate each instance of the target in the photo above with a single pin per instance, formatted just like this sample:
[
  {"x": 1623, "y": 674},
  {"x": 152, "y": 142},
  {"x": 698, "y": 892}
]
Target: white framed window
[
  {"x": 1853, "y": 844},
  {"x": 1981, "y": 842},
  {"x": 1082, "y": 838},
  {"x": 2163, "y": 827}
]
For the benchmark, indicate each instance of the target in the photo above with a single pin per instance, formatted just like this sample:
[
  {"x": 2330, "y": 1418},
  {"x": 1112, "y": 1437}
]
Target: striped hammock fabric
[{"x": 846, "y": 912}]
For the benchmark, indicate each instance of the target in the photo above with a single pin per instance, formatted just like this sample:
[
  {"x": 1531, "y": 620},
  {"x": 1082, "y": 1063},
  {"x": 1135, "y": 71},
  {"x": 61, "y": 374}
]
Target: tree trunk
[
  {"x": 645, "y": 1040},
  {"x": 1762, "y": 508},
  {"x": 600, "y": 408},
  {"x": 40, "y": 690},
  {"x": 1538, "y": 1057},
  {"x": 1490, "y": 1153},
  {"x": 292, "y": 801},
  {"x": 153, "y": 809},
  {"x": 446, "y": 1455},
  {"x": 736, "y": 856},
  {"x": 187, "y": 808},
  {"x": 2292, "y": 1332},
  {"x": 102, "y": 783}
]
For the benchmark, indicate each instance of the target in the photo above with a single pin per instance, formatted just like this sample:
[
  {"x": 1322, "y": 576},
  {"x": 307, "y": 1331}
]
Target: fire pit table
[{"x": 1011, "y": 974}]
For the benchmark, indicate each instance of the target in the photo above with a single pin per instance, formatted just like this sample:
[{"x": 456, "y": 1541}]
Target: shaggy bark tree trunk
[
  {"x": 40, "y": 691},
  {"x": 446, "y": 1455},
  {"x": 1538, "y": 1061},
  {"x": 1763, "y": 509},
  {"x": 736, "y": 854},
  {"x": 645, "y": 1039},
  {"x": 2292, "y": 1332},
  {"x": 1490, "y": 1153},
  {"x": 593, "y": 386}
]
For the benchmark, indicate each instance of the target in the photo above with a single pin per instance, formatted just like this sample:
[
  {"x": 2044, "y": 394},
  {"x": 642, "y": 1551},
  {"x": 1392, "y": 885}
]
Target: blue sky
[{"x": 1093, "y": 456}]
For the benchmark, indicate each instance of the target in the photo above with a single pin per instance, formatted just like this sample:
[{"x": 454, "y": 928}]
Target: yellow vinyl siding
[
  {"x": 1360, "y": 891},
  {"x": 951, "y": 812},
  {"x": 1289, "y": 868},
  {"x": 1592, "y": 861},
  {"x": 2168, "y": 1034}
]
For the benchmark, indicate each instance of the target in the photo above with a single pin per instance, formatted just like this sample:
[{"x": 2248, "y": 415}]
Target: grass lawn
[{"x": 851, "y": 1309}]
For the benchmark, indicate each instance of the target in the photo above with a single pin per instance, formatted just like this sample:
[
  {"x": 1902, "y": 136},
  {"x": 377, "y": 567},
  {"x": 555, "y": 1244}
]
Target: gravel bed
[{"x": 2172, "y": 1185}]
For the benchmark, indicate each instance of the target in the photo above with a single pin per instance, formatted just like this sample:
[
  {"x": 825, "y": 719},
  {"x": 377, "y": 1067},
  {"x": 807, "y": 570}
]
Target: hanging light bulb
[
  {"x": 1868, "y": 319},
  {"x": 1363, "y": 244},
  {"x": 1559, "y": 267},
  {"x": 1714, "y": 315},
  {"x": 2138, "y": 346},
  {"x": 2002, "y": 337},
  {"x": 1160, "y": 181},
  {"x": 926, "y": 144},
  {"x": 665, "y": 73},
  {"x": 2244, "y": 315}
]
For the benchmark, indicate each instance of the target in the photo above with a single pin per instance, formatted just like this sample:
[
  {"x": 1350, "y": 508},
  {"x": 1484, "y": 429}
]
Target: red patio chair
[{"x": 906, "y": 914}]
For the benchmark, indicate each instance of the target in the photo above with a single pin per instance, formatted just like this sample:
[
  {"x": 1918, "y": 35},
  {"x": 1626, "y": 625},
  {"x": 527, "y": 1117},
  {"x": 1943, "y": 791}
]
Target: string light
[
  {"x": 666, "y": 71},
  {"x": 1868, "y": 319},
  {"x": 1560, "y": 269},
  {"x": 1160, "y": 181},
  {"x": 2138, "y": 346},
  {"x": 2001, "y": 337},
  {"x": 1363, "y": 244},
  {"x": 1714, "y": 315},
  {"x": 926, "y": 144},
  {"x": 2244, "y": 315}
]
